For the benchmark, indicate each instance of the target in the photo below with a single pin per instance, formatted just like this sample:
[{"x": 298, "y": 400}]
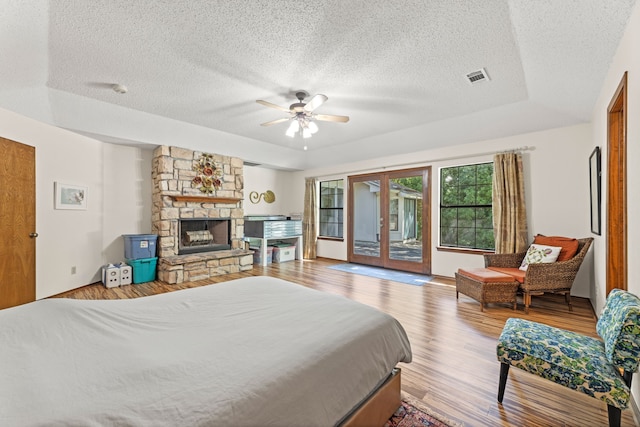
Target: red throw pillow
[{"x": 569, "y": 246}]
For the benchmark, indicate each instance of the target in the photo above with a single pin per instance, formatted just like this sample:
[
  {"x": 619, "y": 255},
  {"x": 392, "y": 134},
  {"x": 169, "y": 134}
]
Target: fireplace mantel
[{"x": 205, "y": 199}]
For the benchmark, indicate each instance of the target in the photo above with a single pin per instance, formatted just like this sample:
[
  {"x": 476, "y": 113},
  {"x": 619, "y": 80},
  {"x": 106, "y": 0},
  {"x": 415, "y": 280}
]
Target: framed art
[
  {"x": 69, "y": 196},
  {"x": 595, "y": 189}
]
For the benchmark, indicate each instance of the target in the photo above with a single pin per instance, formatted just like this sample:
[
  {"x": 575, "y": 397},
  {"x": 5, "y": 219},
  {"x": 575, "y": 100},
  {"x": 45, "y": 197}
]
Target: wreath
[{"x": 209, "y": 176}]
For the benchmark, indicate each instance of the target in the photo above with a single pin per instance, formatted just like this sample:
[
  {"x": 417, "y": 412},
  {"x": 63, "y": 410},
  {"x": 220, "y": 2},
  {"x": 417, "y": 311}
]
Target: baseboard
[{"x": 635, "y": 411}]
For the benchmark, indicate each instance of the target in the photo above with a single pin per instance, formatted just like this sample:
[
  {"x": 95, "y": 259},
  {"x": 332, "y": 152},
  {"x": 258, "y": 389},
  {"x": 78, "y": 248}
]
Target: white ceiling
[{"x": 397, "y": 68}]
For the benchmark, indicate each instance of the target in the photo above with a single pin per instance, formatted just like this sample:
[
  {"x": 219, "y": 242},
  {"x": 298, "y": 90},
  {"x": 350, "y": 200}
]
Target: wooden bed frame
[{"x": 379, "y": 407}]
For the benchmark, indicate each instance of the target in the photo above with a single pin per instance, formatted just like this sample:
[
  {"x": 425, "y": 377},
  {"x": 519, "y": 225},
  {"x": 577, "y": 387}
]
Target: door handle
[{"x": 33, "y": 235}]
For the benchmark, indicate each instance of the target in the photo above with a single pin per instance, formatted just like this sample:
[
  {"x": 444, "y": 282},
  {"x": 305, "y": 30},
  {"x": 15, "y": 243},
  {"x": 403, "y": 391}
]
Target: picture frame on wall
[
  {"x": 69, "y": 196},
  {"x": 595, "y": 189}
]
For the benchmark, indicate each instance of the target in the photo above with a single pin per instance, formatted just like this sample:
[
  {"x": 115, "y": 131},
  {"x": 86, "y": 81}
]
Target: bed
[{"x": 252, "y": 351}]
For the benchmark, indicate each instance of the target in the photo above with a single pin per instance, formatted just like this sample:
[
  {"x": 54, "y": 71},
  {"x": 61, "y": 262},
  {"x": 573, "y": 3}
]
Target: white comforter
[{"x": 250, "y": 352}]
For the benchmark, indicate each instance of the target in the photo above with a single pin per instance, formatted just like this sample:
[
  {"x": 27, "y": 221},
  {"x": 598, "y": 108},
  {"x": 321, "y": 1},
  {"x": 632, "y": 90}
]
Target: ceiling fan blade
[
  {"x": 331, "y": 118},
  {"x": 315, "y": 102},
  {"x": 276, "y": 121},
  {"x": 269, "y": 104}
]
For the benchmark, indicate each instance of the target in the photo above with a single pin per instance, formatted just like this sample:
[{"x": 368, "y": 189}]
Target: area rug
[
  {"x": 383, "y": 273},
  {"x": 413, "y": 413}
]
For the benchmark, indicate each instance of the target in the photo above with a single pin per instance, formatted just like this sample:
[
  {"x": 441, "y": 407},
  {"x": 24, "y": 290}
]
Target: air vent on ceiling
[
  {"x": 478, "y": 76},
  {"x": 250, "y": 163}
]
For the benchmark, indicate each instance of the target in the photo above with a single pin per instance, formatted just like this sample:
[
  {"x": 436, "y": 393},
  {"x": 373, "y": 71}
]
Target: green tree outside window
[{"x": 466, "y": 218}]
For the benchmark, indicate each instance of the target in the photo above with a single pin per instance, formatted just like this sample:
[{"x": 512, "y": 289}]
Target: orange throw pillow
[{"x": 569, "y": 246}]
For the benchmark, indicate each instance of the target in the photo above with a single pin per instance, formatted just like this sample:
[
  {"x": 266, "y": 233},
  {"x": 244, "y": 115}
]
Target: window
[
  {"x": 331, "y": 203},
  {"x": 466, "y": 218}
]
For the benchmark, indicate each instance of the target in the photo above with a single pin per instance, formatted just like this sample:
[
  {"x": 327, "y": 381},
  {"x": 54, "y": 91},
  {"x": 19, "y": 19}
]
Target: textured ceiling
[{"x": 390, "y": 65}]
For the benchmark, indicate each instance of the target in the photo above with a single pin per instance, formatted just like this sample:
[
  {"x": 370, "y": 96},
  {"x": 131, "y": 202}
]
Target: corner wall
[
  {"x": 127, "y": 197},
  {"x": 66, "y": 238},
  {"x": 627, "y": 59},
  {"x": 258, "y": 180},
  {"x": 118, "y": 201}
]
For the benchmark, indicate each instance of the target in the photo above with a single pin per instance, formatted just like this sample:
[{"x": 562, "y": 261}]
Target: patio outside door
[{"x": 389, "y": 220}]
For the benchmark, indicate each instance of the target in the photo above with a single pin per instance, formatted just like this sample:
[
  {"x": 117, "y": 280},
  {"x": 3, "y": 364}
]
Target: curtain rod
[{"x": 442, "y": 159}]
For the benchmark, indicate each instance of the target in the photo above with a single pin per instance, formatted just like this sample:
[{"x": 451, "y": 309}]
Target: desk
[{"x": 275, "y": 229}]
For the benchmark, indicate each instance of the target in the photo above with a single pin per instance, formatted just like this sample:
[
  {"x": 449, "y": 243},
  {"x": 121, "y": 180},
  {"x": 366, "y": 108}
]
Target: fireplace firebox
[{"x": 204, "y": 235}]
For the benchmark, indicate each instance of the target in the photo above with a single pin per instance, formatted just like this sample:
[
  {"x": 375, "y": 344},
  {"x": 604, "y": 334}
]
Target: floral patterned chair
[{"x": 577, "y": 361}]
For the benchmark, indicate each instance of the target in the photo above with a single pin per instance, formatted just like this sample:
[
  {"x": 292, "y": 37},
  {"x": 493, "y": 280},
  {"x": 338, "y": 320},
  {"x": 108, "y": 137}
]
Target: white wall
[
  {"x": 118, "y": 201},
  {"x": 260, "y": 179},
  {"x": 127, "y": 197},
  {"x": 66, "y": 237},
  {"x": 627, "y": 59},
  {"x": 556, "y": 186}
]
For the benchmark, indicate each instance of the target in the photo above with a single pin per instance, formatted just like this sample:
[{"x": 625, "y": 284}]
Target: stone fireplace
[{"x": 200, "y": 232}]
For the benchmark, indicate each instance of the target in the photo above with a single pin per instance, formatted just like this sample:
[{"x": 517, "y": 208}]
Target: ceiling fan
[{"x": 301, "y": 114}]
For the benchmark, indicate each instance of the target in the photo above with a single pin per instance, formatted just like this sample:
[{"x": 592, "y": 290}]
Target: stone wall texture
[{"x": 172, "y": 174}]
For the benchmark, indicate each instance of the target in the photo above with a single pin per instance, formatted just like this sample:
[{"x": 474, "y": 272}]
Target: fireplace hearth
[{"x": 204, "y": 235}]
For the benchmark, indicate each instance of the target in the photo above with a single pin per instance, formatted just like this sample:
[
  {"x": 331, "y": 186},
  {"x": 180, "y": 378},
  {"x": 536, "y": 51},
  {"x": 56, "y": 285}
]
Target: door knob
[{"x": 32, "y": 235}]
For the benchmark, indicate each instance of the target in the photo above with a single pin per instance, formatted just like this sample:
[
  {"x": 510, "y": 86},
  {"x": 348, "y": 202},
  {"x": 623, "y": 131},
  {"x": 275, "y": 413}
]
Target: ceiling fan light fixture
[
  {"x": 302, "y": 115},
  {"x": 293, "y": 128}
]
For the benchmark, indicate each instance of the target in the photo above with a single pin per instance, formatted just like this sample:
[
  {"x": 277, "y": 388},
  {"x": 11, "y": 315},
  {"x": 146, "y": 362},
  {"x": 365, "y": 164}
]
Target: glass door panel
[
  {"x": 405, "y": 218},
  {"x": 365, "y": 237}
]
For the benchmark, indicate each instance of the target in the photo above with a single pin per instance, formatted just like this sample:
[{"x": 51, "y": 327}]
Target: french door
[{"x": 389, "y": 222}]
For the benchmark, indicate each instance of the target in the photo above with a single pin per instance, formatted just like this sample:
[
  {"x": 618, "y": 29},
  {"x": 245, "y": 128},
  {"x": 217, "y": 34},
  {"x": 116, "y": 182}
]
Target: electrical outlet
[{"x": 73, "y": 270}]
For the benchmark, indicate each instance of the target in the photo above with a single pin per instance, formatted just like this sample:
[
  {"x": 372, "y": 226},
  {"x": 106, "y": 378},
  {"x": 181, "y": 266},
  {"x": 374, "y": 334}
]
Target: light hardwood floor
[{"x": 454, "y": 368}]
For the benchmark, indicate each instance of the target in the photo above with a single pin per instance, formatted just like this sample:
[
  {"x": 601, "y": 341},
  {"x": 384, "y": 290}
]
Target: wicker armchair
[{"x": 556, "y": 277}]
